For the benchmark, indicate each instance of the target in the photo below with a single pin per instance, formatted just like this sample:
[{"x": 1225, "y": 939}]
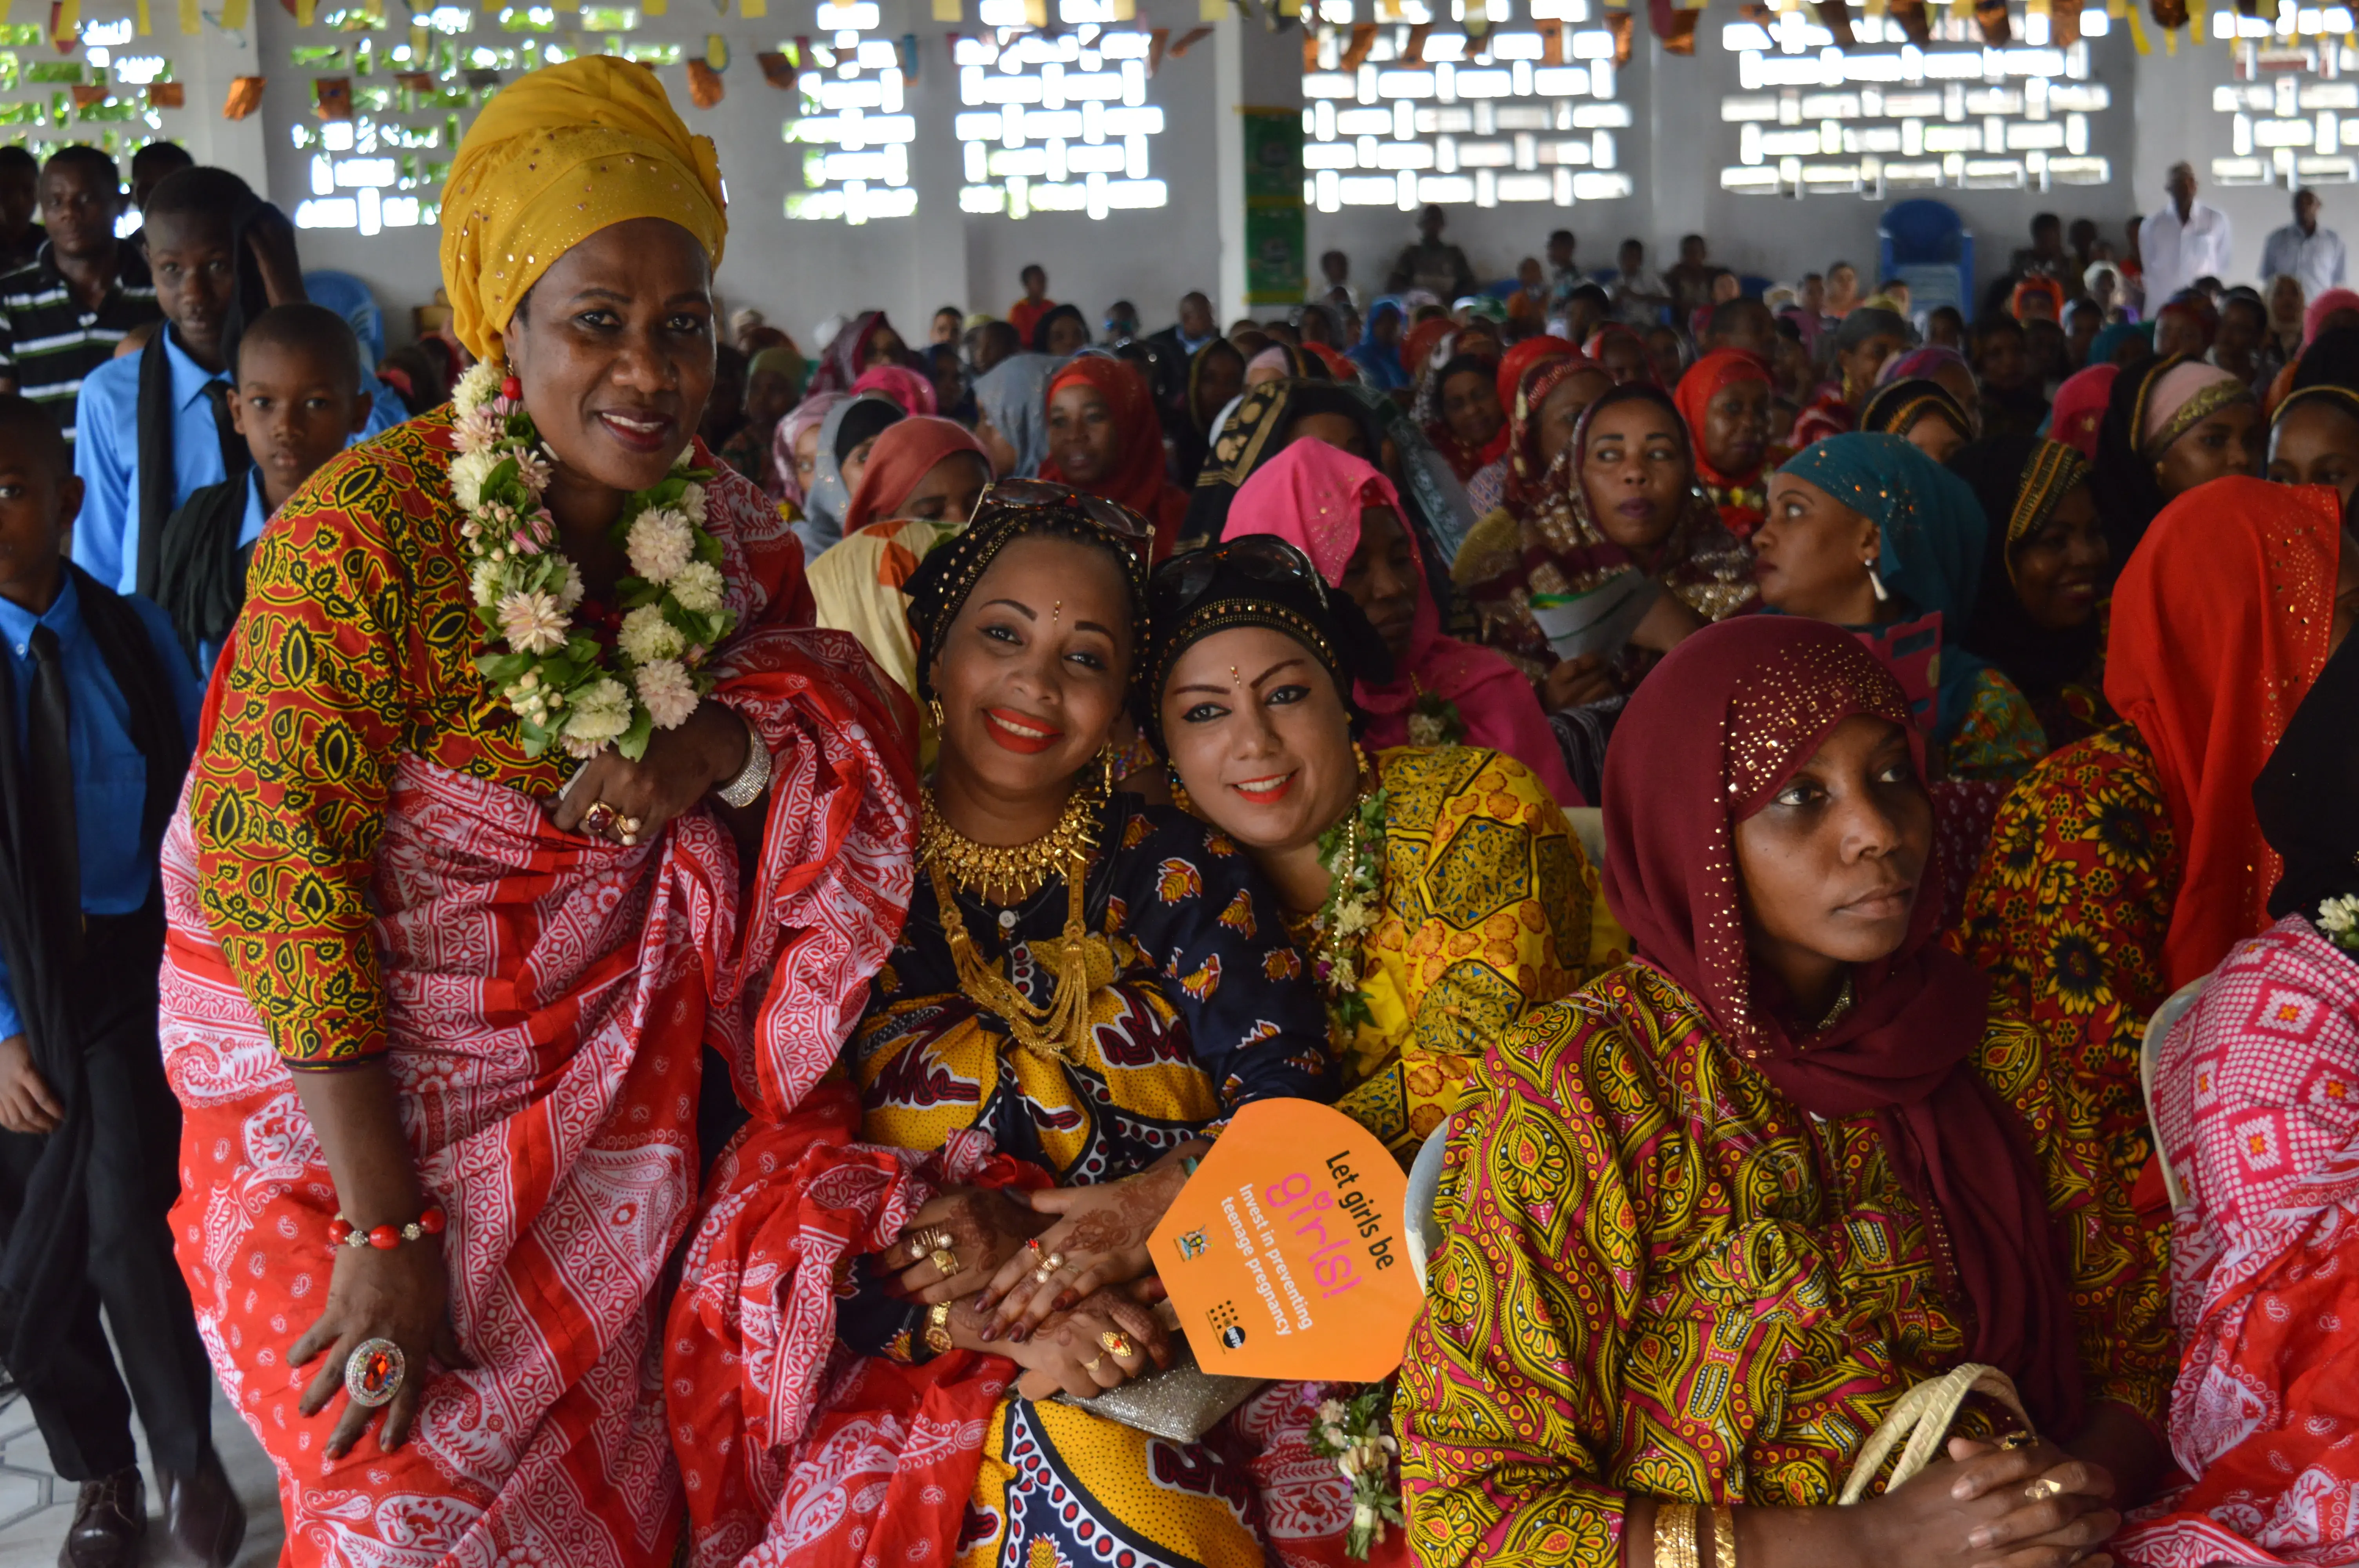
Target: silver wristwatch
[{"x": 754, "y": 776}]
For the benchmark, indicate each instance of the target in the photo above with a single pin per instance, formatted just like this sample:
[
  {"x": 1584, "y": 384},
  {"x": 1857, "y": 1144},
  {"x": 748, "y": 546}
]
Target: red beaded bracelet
[{"x": 385, "y": 1238}]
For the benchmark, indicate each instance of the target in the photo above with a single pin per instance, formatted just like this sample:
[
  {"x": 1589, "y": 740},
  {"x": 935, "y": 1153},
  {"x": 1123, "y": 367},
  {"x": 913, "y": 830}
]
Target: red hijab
[
  {"x": 1528, "y": 472},
  {"x": 1712, "y": 733},
  {"x": 1341, "y": 368},
  {"x": 1137, "y": 481},
  {"x": 1521, "y": 358},
  {"x": 1741, "y": 506},
  {"x": 1418, "y": 343},
  {"x": 2219, "y": 628},
  {"x": 913, "y": 391},
  {"x": 906, "y": 452}
]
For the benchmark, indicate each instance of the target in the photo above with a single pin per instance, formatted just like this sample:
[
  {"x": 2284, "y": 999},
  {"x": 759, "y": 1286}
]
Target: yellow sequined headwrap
[{"x": 561, "y": 153}]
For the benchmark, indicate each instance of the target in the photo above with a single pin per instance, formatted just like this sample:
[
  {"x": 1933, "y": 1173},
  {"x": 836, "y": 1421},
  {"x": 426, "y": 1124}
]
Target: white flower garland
[{"x": 568, "y": 689}]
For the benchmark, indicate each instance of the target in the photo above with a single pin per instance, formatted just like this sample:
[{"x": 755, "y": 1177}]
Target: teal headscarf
[{"x": 1932, "y": 531}]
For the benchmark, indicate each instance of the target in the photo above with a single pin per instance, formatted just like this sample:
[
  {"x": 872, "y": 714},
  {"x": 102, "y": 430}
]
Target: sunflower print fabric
[
  {"x": 1485, "y": 913},
  {"x": 2068, "y": 916},
  {"x": 1662, "y": 1278},
  {"x": 1193, "y": 1025}
]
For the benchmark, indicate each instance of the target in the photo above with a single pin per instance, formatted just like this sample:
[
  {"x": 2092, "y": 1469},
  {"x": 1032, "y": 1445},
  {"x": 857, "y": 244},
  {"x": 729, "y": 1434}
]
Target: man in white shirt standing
[
  {"x": 2184, "y": 240},
  {"x": 2302, "y": 251}
]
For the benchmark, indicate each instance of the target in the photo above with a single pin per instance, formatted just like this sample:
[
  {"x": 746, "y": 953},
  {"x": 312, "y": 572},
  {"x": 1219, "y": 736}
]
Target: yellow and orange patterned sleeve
[{"x": 289, "y": 784}]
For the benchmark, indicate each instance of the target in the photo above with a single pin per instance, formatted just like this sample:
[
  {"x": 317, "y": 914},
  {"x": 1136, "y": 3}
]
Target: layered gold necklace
[{"x": 1009, "y": 874}]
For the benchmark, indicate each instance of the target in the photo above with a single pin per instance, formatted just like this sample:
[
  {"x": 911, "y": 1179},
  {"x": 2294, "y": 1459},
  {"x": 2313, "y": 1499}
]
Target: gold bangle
[
  {"x": 1675, "y": 1536},
  {"x": 938, "y": 1328},
  {"x": 1724, "y": 1538}
]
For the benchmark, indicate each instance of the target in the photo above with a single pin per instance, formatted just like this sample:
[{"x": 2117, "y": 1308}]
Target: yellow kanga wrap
[{"x": 565, "y": 152}]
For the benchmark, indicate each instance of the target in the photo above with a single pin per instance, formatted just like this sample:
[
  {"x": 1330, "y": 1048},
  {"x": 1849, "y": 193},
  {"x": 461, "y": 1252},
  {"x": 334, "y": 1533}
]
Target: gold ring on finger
[
  {"x": 945, "y": 1261},
  {"x": 2013, "y": 1441},
  {"x": 1117, "y": 1345},
  {"x": 2043, "y": 1489},
  {"x": 599, "y": 820}
]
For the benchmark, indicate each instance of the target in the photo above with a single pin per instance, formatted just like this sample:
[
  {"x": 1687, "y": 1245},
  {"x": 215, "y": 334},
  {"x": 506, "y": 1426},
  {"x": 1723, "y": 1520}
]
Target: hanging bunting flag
[
  {"x": 1914, "y": 23},
  {"x": 142, "y": 22},
  {"x": 65, "y": 24},
  {"x": 655, "y": 7},
  {"x": 1212, "y": 10},
  {"x": 233, "y": 16},
  {"x": 2064, "y": 23},
  {"x": 949, "y": 11},
  {"x": 1413, "y": 50},
  {"x": 304, "y": 11},
  {"x": 716, "y": 52},
  {"x": 704, "y": 87},
  {"x": 1313, "y": 41},
  {"x": 1364, "y": 40},
  {"x": 1618, "y": 22},
  {"x": 332, "y": 97},
  {"x": 2122, "y": 11},
  {"x": 1189, "y": 40},
  {"x": 192, "y": 20},
  {"x": 245, "y": 96},
  {"x": 1157, "y": 40},
  {"x": 167, "y": 95},
  {"x": 776, "y": 70},
  {"x": 1989, "y": 16},
  {"x": 1835, "y": 16},
  {"x": 908, "y": 49}
]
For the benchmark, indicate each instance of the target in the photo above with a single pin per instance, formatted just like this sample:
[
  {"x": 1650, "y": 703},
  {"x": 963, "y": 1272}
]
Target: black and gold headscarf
[
  {"x": 1018, "y": 509},
  {"x": 1256, "y": 580}
]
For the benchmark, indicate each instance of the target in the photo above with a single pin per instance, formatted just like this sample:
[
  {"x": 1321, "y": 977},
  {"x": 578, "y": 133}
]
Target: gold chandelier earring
[
  {"x": 1180, "y": 792},
  {"x": 934, "y": 714},
  {"x": 1360, "y": 760}
]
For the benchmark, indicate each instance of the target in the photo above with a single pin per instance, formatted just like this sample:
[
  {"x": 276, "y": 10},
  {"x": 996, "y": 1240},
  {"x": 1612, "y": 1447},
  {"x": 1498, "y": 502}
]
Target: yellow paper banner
[
  {"x": 68, "y": 26},
  {"x": 145, "y": 24},
  {"x": 752, "y": 10},
  {"x": 654, "y": 7},
  {"x": 192, "y": 19},
  {"x": 304, "y": 11},
  {"x": 716, "y": 52},
  {"x": 1212, "y": 10},
  {"x": 233, "y": 15}
]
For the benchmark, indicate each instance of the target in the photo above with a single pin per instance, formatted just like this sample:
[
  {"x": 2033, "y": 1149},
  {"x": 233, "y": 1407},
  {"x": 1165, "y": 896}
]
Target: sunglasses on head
[
  {"x": 1043, "y": 495},
  {"x": 1179, "y": 583}
]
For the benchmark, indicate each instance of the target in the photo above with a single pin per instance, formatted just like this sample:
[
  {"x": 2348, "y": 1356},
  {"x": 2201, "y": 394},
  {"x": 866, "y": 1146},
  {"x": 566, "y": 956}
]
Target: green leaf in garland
[{"x": 633, "y": 742}]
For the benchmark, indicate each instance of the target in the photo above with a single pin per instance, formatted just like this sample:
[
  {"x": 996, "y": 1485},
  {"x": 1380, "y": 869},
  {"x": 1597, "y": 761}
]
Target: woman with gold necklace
[
  {"x": 1093, "y": 982},
  {"x": 1438, "y": 890}
]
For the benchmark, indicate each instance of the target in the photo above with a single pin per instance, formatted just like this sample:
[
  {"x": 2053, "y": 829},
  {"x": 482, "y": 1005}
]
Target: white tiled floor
[{"x": 32, "y": 1541}]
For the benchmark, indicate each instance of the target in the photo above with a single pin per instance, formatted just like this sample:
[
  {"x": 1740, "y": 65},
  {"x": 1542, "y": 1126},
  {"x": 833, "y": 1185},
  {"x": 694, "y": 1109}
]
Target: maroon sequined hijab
[{"x": 1716, "y": 729}]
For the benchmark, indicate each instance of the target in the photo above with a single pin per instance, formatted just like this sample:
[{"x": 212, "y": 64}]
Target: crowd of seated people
[{"x": 621, "y": 931}]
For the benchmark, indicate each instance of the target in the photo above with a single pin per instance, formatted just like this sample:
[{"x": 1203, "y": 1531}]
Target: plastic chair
[
  {"x": 1926, "y": 245},
  {"x": 1420, "y": 1230},
  {"x": 350, "y": 297},
  {"x": 2158, "y": 1029}
]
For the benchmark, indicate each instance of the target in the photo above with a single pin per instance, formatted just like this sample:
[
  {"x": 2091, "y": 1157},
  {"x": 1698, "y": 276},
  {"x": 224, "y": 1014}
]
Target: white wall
[{"x": 800, "y": 272}]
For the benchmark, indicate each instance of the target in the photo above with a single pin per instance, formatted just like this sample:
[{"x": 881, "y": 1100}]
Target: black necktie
[
  {"x": 48, "y": 759},
  {"x": 234, "y": 454}
]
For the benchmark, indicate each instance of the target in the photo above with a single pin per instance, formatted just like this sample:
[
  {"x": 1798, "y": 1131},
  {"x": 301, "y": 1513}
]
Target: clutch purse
[
  {"x": 1181, "y": 1404},
  {"x": 1924, "y": 1415}
]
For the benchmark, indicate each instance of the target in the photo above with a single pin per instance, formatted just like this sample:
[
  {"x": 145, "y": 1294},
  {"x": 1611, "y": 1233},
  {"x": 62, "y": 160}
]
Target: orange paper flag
[{"x": 1284, "y": 1254}]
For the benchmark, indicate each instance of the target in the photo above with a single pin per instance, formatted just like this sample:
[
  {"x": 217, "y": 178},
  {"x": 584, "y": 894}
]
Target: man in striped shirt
[{"x": 61, "y": 317}]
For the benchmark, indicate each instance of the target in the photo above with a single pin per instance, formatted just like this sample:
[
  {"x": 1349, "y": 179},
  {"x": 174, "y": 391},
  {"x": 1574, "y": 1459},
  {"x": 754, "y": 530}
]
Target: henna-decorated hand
[
  {"x": 1069, "y": 1352},
  {"x": 981, "y": 1228},
  {"x": 1099, "y": 1240}
]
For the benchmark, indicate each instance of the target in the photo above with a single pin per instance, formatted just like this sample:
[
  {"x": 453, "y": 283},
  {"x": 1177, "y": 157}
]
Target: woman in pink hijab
[
  {"x": 2079, "y": 408},
  {"x": 913, "y": 391},
  {"x": 1346, "y": 517},
  {"x": 794, "y": 449}
]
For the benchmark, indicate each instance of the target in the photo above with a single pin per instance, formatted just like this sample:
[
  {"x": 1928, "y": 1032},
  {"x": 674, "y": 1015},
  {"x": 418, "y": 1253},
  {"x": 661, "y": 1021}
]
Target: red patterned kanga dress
[{"x": 363, "y": 868}]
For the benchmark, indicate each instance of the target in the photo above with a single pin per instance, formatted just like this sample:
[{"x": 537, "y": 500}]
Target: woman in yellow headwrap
[{"x": 517, "y": 685}]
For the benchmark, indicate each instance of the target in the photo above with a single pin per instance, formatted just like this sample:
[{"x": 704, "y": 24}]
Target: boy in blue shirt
[
  {"x": 295, "y": 403},
  {"x": 154, "y": 427},
  {"x": 97, "y": 710}
]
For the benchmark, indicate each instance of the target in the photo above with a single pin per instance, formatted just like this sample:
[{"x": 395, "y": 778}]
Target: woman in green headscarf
[{"x": 1869, "y": 532}]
